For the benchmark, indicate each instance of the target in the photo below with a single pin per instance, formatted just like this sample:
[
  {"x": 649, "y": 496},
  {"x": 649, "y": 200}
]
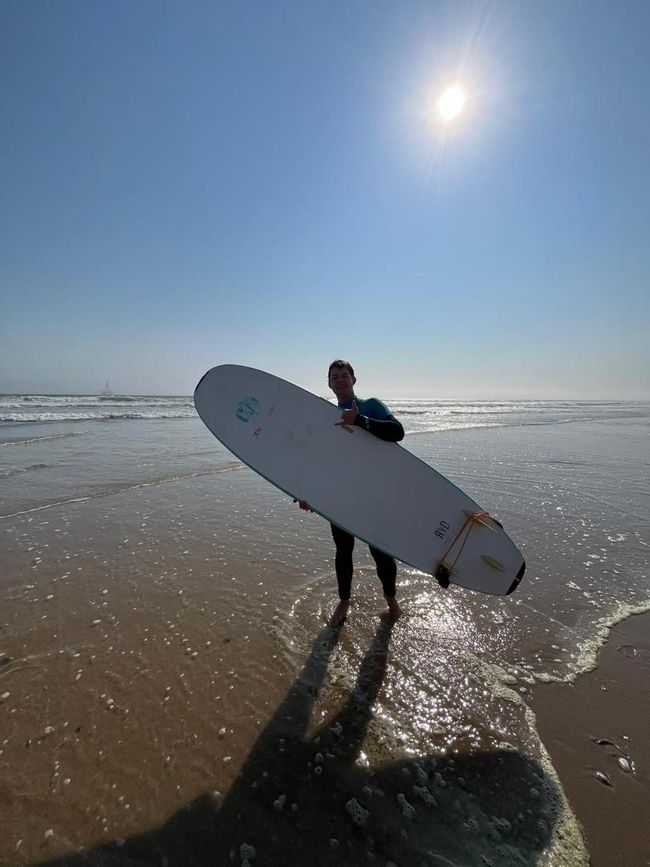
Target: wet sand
[
  {"x": 610, "y": 703},
  {"x": 174, "y": 719},
  {"x": 166, "y": 678}
]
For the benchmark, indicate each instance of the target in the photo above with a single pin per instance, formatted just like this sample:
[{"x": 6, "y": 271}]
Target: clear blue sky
[{"x": 266, "y": 183}]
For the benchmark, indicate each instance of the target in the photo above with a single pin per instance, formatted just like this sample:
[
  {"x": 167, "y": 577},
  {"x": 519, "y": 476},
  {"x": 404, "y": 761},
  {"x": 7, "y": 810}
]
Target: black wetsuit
[{"x": 382, "y": 424}]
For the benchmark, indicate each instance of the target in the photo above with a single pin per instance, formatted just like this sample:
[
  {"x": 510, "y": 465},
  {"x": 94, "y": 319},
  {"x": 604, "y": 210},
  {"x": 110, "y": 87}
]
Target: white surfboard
[{"x": 378, "y": 491}]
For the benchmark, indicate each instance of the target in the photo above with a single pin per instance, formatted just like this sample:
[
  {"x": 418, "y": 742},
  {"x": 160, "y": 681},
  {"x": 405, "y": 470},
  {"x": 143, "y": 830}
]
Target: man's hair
[{"x": 340, "y": 363}]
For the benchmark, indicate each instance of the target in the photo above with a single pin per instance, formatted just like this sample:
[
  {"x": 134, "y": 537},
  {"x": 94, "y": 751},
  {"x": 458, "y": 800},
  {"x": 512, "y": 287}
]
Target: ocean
[
  {"x": 164, "y": 642},
  {"x": 419, "y": 416}
]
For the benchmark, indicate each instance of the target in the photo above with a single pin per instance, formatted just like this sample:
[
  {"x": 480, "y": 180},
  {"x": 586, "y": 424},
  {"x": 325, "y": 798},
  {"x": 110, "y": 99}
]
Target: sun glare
[{"x": 451, "y": 103}]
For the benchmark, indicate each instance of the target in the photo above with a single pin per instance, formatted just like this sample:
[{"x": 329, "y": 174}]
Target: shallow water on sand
[{"x": 172, "y": 685}]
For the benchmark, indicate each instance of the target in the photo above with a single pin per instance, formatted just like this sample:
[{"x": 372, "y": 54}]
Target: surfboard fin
[
  {"x": 515, "y": 583},
  {"x": 442, "y": 576},
  {"x": 492, "y": 563}
]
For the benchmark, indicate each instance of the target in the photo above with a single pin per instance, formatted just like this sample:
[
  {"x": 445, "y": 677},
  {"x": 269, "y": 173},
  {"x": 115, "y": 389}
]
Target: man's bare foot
[
  {"x": 393, "y": 608},
  {"x": 340, "y": 613}
]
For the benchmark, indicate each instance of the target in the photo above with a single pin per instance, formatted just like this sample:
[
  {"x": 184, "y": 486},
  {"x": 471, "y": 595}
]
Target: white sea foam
[
  {"x": 418, "y": 416},
  {"x": 51, "y": 408},
  {"x": 589, "y": 648},
  {"x": 112, "y": 415},
  {"x": 39, "y": 439}
]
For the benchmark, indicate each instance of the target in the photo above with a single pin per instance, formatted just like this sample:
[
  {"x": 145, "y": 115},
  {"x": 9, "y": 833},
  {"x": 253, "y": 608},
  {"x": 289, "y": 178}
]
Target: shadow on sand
[{"x": 489, "y": 808}]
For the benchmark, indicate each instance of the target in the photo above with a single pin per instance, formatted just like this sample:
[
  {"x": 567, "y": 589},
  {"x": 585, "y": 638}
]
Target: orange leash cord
[{"x": 443, "y": 572}]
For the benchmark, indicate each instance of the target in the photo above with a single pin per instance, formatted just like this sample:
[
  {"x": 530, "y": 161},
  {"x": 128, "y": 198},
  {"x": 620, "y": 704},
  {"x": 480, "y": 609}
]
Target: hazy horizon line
[{"x": 385, "y": 396}]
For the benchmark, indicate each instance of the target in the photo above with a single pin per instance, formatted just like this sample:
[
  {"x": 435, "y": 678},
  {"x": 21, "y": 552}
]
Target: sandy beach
[
  {"x": 172, "y": 695},
  {"x": 607, "y": 705}
]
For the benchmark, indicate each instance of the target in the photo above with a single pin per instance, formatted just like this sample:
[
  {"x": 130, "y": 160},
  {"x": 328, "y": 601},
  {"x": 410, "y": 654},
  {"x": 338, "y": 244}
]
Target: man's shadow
[{"x": 308, "y": 801}]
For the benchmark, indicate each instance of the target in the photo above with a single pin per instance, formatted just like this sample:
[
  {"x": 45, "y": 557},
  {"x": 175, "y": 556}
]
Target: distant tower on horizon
[{"x": 107, "y": 391}]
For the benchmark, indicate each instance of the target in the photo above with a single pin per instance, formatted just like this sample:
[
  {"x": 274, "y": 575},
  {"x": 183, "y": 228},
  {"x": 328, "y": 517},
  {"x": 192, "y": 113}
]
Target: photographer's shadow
[{"x": 308, "y": 801}]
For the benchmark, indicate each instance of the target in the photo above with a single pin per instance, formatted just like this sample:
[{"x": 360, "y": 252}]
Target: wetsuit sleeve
[{"x": 387, "y": 429}]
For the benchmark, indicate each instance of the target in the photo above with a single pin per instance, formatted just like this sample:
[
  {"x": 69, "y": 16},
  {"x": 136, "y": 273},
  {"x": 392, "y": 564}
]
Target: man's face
[{"x": 342, "y": 383}]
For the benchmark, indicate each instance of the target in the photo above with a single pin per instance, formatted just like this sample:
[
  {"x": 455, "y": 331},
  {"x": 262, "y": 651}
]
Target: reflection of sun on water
[{"x": 451, "y": 103}]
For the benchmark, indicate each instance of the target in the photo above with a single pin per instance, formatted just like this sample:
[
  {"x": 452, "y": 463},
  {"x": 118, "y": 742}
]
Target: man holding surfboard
[{"x": 375, "y": 417}]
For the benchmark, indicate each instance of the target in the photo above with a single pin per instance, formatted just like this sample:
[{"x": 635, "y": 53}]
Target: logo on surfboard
[{"x": 247, "y": 409}]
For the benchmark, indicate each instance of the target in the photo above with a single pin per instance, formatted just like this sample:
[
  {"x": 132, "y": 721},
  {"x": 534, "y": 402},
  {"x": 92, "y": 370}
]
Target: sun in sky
[{"x": 451, "y": 103}]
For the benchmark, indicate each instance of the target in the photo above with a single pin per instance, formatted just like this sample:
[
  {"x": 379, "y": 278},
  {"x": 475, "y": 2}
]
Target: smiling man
[{"x": 375, "y": 417}]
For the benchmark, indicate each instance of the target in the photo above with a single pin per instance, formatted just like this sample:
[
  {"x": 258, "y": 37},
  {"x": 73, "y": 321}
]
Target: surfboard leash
[{"x": 443, "y": 572}]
